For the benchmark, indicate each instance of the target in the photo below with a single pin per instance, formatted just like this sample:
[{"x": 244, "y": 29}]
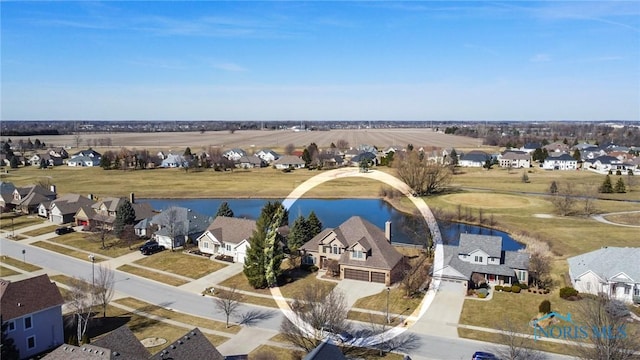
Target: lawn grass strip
[
  {"x": 66, "y": 250},
  {"x": 7, "y": 260},
  {"x": 5, "y": 271},
  {"x": 41, "y": 231},
  {"x": 152, "y": 275}
]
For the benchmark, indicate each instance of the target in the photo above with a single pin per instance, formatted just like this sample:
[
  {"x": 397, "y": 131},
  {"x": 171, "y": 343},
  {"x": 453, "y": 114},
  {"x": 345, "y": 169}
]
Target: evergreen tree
[
  {"x": 314, "y": 225},
  {"x": 306, "y": 157},
  {"x": 576, "y": 155},
  {"x": 187, "y": 153},
  {"x": 606, "y": 186},
  {"x": 8, "y": 346},
  {"x": 255, "y": 265},
  {"x": 620, "y": 187},
  {"x": 298, "y": 234},
  {"x": 553, "y": 189},
  {"x": 13, "y": 162},
  {"x": 454, "y": 157},
  {"x": 125, "y": 215},
  {"x": 224, "y": 210},
  {"x": 273, "y": 250}
]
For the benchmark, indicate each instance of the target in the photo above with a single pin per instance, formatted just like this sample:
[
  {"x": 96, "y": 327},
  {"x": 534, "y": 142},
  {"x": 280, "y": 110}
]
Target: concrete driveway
[
  {"x": 354, "y": 290},
  {"x": 442, "y": 317}
]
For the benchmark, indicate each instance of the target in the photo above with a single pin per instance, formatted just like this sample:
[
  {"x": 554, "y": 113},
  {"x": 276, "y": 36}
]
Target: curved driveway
[{"x": 601, "y": 218}]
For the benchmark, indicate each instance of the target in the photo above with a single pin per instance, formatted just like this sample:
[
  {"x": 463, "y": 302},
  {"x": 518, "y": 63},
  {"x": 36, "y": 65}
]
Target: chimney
[
  {"x": 90, "y": 196},
  {"x": 387, "y": 231},
  {"x": 132, "y": 198},
  {"x": 53, "y": 189}
]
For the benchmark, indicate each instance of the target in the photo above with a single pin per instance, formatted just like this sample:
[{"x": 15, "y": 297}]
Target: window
[
  {"x": 627, "y": 289},
  {"x": 205, "y": 244},
  {"x": 636, "y": 292},
  {"x": 31, "y": 342},
  {"x": 335, "y": 249},
  {"x": 478, "y": 259},
  {"x": 521, "y": 276},
  {"x": 27, "y": 323},
  {"x": 228, "y": 247},
  {"x": 357, "y": 254},
  {"x": 11, "y": 326}
]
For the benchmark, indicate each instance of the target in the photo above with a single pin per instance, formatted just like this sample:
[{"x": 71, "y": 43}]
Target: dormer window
[
  {"x": 335, "y": 249},
  {"x": 357, "y": 254},
  {"x": 478, "y": 259}
]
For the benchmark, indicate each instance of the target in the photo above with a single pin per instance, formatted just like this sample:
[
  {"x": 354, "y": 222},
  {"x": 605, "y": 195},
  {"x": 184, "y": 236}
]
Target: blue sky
[{"x": 322, "y": 60}]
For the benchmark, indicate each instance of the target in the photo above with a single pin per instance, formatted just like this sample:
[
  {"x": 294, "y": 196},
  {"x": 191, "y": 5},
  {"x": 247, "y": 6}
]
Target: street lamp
[
  {"x": 388, "y": 291},
  {"x": 13, "y": 233},
  {"x": 93, "y": 269}
]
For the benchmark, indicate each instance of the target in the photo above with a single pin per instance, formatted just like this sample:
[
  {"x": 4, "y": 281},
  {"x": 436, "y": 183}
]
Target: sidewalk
[{"x": 198, "y": 285}]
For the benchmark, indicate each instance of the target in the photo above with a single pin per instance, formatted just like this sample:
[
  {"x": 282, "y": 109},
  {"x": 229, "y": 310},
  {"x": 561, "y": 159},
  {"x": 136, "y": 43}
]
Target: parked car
[
  {"x": 151, "y": 248},
  {"x": 482, "y": 355},
  {"x": 64, "y": 230},
  {"x": 148, "y": 243}
]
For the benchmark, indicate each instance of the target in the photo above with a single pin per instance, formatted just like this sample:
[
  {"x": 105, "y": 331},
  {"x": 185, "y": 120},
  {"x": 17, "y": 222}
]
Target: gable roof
[
  {"x": 193, "y": 345},
  {"x": 123, "y": 344},
  {"x": 289, "y": 159},
  {"x": 468, "y": 243},
  {"x": 232, "y": 230},
  {"x": 195, "y": 222},
  {"x": 70, "y": 203},
  {"x": 475, "y": 156},
  {"x": 561, "y": 157},
  {"x": 28, "y": 296},
  {"x": 516, "y": 155},
  {"x": 84, "y": 352},
  {"x": 326, "y": 350},
  {"x": 608, "y": 262}
]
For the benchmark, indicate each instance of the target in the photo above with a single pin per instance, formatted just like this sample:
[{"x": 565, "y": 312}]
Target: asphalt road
[{"x": 428, "y": 347}]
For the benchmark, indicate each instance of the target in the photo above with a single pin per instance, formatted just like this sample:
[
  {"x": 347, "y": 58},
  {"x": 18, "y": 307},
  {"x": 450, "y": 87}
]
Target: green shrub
[
  {"x": 498, "y": 288},
  {"x": 483, "y": 291},
  {"x": 545, "y": 307},
  {"x": 515, "y": 289},
  {"x": 567, "y": 292},
  {"x": 506, "y": 289},
  {"x": 523, "y": 286},
  {"x": 482, "y": 295}
]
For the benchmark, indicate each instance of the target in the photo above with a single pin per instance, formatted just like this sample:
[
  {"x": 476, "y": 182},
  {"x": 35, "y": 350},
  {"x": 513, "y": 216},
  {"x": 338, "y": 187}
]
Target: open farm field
[{"x": 248, "y": 139}]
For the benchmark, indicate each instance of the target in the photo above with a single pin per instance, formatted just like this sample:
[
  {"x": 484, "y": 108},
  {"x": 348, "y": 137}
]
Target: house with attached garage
[
  {"x": 27, "y": 199},
  {"x": 560, "y": 162},
  {"x": 103, "y": 212},
  {"x": 249, "y": 162},
  {"x": 234, "y": 154},
  {"x": 227, "y": 236},
  {"x": 474, "y": 158},
  {"x": 362, "y": 250},
  {"x": 289, "y": 162},
  {"x": 515, "y": 159},
  {"x": 484, "y": 255},
  {"x": 63, "y": 209},
  {"x": 267, "y": 155},
  {"x": 614, "y": 271},
  {"x": 176, "y": 226},
  {"x": 31, "y": 309},
  {"x": 85, "y": 158}
]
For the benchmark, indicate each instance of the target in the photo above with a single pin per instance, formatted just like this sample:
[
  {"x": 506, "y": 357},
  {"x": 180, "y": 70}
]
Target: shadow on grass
[
  {"x": 252, "y": 317},
  {"x": 97, "y": 325}
]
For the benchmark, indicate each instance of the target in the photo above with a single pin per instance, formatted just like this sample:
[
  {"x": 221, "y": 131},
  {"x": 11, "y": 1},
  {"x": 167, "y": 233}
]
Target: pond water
[{"x": 333, "y": 212}]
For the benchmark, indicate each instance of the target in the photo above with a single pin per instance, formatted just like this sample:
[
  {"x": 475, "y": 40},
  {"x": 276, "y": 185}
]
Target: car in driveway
[
  {"x": 151, "y": 247},
  {"x": 483, "y": 355},
  {"x": 64, "y": 230}
]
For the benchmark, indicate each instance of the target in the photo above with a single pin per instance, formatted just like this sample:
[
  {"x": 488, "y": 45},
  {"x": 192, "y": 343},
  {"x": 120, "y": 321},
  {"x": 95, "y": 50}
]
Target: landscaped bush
[
  {"x": 515, "y": 289},
  {"x": 498, "y": 288},
  {"x": 309, "y": 268},
  {"x": 506, "y": 289},
  {"x": 482, "y": 295},
  {"x": 568, "y": 292},
  {"x": 483, "y": 291},
  {"x": 524, "y": 286},
  {"x": 545, "y": 307}
]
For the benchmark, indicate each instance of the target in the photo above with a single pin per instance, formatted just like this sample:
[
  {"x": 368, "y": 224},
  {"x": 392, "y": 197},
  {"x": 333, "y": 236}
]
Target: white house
[
  {"x": 234, "y": 154},
  {"x": 268, "y": 156},
  {"x": 227, "y": 236},
  {"x": 289, "y": 161},
  {"x": 176, "y": 225},
  {"x": 513, "y": 159},
  {"x": 614, "y": 271},
  {"x": 474, "y": 158},
  {"x": 83, "y": 161},
  {"x": 561, "y": 162},
  {"x": 174, "y": 161}
]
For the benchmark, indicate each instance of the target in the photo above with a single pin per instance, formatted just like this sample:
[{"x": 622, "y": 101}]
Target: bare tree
[
  {"x": 386, "y": 342},
  {"x": 588, "y": 196},
  {"x": 317, "y": 312},
  {"x": 78, "y": 139},
  {"x": 80, "y": 301},
  {"x": 424, "y": 177},
  {"x": 342, "y": 144},
  {"x": 539, "y": 268},
  {"x": 103, "y": 287},
  {"x": 289, "y": 149},
  {"x": 516, "y": 345},
  {"x": 564, "y": 199},
  {"x": 228, "y": 302},
  {"x": 609, "y": 337},
  {"x": 416, "y": 275},
  {"x": 100, "y": 230},
  {"x": 173, "y": 225}
]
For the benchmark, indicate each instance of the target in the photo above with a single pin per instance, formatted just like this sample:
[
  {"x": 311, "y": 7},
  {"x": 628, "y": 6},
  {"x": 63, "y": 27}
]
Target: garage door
[
  {"x": 356, "y": 274},
  {"x": 377, "y": 277}
]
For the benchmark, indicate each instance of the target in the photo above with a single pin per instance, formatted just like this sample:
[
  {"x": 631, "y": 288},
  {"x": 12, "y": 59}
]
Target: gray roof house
[
  {"x": 192, "y": 346},
  {"x": 363, "y": 251},
  {"x": 326, "y": 350},
  {"x": 483, "y": 254},
  {"x": 560, "y": 162},
  {"x": 289, "y": 161},
  {"x": 474, "y": 158},
  {"x": 177, "y": 224},
  {"x": 119, "y": 344},
  {"x": 515, "y": 159},
  {"x": 63, "y": 209},
  {"x": 614, "y": 271}
]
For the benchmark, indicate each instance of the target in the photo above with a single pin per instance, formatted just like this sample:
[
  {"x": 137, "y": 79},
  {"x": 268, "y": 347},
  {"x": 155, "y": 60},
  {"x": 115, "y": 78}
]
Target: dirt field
[{"x": 257, "y": 139}]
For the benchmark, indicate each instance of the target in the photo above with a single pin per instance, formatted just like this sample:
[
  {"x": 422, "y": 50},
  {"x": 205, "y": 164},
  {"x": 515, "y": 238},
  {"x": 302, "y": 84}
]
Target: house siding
[{"x": 46, "y": 328}]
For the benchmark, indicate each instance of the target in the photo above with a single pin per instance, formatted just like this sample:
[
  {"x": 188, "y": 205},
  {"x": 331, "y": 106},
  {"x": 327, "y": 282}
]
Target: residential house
[
  {"x": 45, "y": 159},
  {"x": 326, "y": 350},
  {"x": 27, "y": 199},
  {"x": 144, "y": 228},
  {"x": 178, "y": 225},
  {"x": 530, "y": 147},
  {"x": 63, "y": 209},
  {"x": 331, "y": 161},
  {"x": 515, "y": 159},
  {"x": 614, "y": 271},
  {"x": 191, "y": 346},
  {"x": 591, "y": 152},
  {"x": 174, "y": 161},
  {"x": 234, "y": 154},
  {"x": 249, "y": 162},
  {"x": 104, "y": 211},
  {"x": 474, "y": 158},
  {"x": 119, "y": 344},
  {"x": 85, "y": 158},
  {"x": 267, "y": 155},
  {"x": 370, "y": 157},
  {"x": 560, "y": 162},
  {"x": 32, "y": 310},
  {"x": 227, "y": 236},
  {"x": 557, "y": 147},
  {"x": 605, "y": 163},
  {"x": 289, "y": 162},
  {"x": 362, "y": 251},
  {"x": 6, "y": 195},
  {"x": 59, "y": 152},
  {"x": 484, "y": 255}
]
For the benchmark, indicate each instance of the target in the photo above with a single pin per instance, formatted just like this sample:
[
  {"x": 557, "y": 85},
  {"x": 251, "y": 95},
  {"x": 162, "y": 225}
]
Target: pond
[{"x": 333, "y": 212}]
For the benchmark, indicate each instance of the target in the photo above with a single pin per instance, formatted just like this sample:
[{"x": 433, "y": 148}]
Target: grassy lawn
[
  {"x": 19, "y": 221},
  {"x": 501, "y": 339},
  {"x": 275, "y": 352},
  {"x": 152, "y": 275},
  {"x": 19, "y": 264},
  {"x": 398, "y": 303},
  {"x": 240, "y": 282},
  {"x": 627, "y": 219},
  {"x": 84, "y": 241},
  {"x": 301, "y": 280},
  {"x": 178, "y": 316},
  {"x": 40, "y": 231},
  {"x": 66, "y": 251},
  {"x": 176, "y": 262},
  {"x": 62, "y": 279},
  {"x": 249, "y": 299},
  {"x": 7, "y": 272},
  {"x": 371, "y": 318}
]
